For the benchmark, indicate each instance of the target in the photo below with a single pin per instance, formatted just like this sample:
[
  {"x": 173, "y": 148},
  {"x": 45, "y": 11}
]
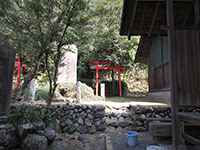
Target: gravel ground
[
  {"x": 117, "y": 137},
  {"x": 85, "y": 141}
]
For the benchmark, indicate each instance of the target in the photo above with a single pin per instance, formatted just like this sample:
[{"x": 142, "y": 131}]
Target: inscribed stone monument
[
  {"x": 7, "y": 59},
  {"x": 67, "y": 71}
]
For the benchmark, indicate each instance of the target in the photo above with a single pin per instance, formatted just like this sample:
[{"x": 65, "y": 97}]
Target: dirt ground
[{"x": 112, "y": 139}]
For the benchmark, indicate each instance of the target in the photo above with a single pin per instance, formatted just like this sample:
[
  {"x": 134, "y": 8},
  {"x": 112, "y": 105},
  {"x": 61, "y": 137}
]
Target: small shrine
[{"x": 105, "y": 66}]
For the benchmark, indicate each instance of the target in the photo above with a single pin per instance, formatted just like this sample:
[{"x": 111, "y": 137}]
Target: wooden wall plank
[{"x": 188, "y": 66}]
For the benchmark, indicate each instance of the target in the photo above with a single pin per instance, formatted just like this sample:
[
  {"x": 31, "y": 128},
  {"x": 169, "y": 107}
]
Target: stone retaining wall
[
  {"x": 30, "y": 125},
  {"x": 84, "y": 118},
  {"x": 64, "y": 117},
  {"x": 137, "y": 117}
]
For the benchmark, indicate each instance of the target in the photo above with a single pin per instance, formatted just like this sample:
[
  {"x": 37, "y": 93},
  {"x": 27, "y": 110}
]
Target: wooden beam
[
  {"x": 142, "y": 21},
  {"x": 187, "y": 17},
  {"x": 132, "y": 18},
  {"x": 154, "y": 18},
  {"x": 189, "y": 117},
  {"x": 196, "y": 13},
  {"x": 173, "y": 82}
]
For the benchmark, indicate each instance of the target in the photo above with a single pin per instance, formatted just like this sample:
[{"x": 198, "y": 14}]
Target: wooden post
[
  {"x": 162, "y": 62},
  {"x": 119, "y": 83},
  {"x": 97, "y": 80},
  {"x": 172, "y": 51},
  {"x": 196, "y": 12}
]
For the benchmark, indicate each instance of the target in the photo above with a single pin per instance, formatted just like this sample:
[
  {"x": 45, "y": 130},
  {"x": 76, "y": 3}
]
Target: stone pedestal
[{"x": 7, "y": 59}]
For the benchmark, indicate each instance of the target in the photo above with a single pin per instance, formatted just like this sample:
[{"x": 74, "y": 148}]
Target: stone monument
[
  {"x": 7, "y": 60},
  {"x": 67, "y": 71}
]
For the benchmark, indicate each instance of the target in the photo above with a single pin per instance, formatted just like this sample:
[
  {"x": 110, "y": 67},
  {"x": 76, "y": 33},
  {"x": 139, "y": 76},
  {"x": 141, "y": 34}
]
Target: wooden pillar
[
  {"x": 97, "y": 80},
  {"x": 119, "y": 83},
  {"x": 162, "y": 61},
  {"x": 173, "y": 73},
  {"x": 196, "y": 12}
]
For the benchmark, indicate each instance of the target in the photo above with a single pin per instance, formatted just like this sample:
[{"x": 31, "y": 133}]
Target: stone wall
[
  {"x": 137, "y": 117},
  {"x": 66, "y": 118}
]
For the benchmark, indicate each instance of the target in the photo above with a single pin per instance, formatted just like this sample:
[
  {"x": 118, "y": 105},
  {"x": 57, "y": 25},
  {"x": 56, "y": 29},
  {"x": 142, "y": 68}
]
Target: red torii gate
[
  {"x": 107, "y": 66},
  {"x": 20, "y": 68}
]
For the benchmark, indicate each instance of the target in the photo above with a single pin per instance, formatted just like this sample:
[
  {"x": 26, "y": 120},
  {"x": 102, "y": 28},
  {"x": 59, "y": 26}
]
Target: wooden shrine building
[
  {"x": 153, "y": 51},
  {"x": 179, "y": 22}
]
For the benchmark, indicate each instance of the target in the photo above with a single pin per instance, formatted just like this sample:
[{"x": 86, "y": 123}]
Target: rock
[
  {"x": 99, "y": 108},
  {"x": 86, "y": 91},
  {"x": 35, "y": 142},
  {"x": 88, "y": 123},
  {"x": 2, "y": 148},
  {"x": 123, "y": 122},
  {"x": 8, "y": 136},
  {"x": 80, "y": 121},
  {"x": 3, "y": 119},
  {"x": 68, "y": 122},
  {"x": 58, "y": 145},
  {"x": 90, "y": 116},
  {"x": 83, "y": 130},
  {"x": 125, "y": 115},
  {"x": 92, "y": 129},
  {"x": 39, "y": 125},
  {"x": 71, "y": 129},
  {"x": 139, "y": 123},
  {"x": 25, "y": 129},
  {"x": 100, "y": 126},
  {"x": 113, "y": 122},
  {"x": 50, "y": 134},
  {"x": 100, "y": 114},
  {"x": 143, "y": 117}
]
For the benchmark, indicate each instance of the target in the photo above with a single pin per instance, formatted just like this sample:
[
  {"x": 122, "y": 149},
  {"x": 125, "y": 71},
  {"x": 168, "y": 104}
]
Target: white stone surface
[
  {"x": 67, "y": 71},
  {"x": 103, "y": 89}
]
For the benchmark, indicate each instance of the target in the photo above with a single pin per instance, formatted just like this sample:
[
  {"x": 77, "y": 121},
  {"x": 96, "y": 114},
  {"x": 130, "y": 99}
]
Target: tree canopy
[{"x": 39, "y": 28}]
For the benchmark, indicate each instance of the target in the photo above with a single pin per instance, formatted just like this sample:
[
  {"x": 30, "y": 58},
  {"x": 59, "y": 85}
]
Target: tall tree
[
  {"x": 38, "y": 29},
  {"x": 103, "y": 34}
]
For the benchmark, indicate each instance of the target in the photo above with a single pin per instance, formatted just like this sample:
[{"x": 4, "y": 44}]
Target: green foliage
[
  {"x": 102, "y": 34},
  {"x": 39, "y": 28},
  {"x": 42, "y": 93},
  {"x": 26, "y": 114}
]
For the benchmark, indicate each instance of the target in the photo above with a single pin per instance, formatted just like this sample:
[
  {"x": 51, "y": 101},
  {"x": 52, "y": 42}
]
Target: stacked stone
[
  {"x": 138, "y": 117},
  {"x": 69, "y": 118},
  {"x": 141, "y": 116},
  {"x": 29, "y": 136},
  {"x": 82, "y": 118}
]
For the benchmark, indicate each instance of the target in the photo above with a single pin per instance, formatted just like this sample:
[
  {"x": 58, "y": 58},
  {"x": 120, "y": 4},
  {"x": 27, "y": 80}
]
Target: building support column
[{"x": 173, "y": 73}]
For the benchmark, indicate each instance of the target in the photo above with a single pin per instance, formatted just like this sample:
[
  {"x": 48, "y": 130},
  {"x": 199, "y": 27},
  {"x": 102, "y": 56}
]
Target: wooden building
[
  {"x": 154, "y": 53},
  {"x": 179, "y": 20}
]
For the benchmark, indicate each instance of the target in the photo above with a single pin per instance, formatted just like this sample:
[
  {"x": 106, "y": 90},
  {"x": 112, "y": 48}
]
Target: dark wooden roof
[
  {"x": 143, "y": 50},
  {"x": 146, "y": 17}
]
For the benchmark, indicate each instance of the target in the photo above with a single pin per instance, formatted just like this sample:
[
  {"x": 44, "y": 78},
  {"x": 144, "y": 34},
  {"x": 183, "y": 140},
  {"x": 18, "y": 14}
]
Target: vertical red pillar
[
  {"x": 97, "y": 80},
  {"x": 119, "y": 83},
  {"x": 18, "y": 72}
]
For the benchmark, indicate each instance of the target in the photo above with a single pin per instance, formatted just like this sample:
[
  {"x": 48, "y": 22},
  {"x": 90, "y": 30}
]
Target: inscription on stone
[{"x": 67, "y": 71}]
